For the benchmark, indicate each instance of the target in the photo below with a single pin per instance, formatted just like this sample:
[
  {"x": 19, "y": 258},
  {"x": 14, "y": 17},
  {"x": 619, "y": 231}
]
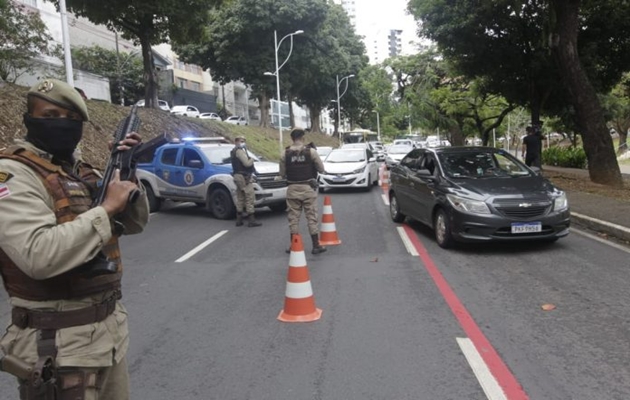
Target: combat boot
[
  {"x": 239, "y": 219},
  {"x": 252, "y": 221},
  {"x": 288, "y": 250},
  {"x": 317, "y": 248}
]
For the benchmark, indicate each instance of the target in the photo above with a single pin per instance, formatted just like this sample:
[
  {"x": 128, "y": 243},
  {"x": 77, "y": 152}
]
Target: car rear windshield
[
  {"x": 481, "y": 165},
  {"x": 339, "y": 156},
  {"x": 399, "y": 149}
]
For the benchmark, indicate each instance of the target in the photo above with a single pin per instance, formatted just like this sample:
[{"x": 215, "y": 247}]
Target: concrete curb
[{"x": 618, "y": 231}]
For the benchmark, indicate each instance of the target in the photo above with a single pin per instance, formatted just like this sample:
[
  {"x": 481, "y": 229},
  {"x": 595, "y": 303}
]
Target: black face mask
[{"x": 56, "y": 136}]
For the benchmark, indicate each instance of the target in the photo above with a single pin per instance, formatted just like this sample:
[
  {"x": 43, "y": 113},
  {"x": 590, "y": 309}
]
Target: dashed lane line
[
  {"x": 405, "y": 238},
  {"x": 488, "y": 383},
  {"x": 200, "y": 247}
]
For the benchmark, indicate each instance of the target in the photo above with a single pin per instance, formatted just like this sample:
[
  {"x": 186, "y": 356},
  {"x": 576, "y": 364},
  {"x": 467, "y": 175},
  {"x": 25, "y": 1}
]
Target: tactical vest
[
  {"x": 71, "y": 197},
  {"x": 299, "y": 165},
  {"x": 237, "y": 165}
]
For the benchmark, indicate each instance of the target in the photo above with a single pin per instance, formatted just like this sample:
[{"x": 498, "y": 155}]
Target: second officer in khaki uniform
[
  {"x": 65, "y": 321},
  {"x": 243, "y": 171},
  {"x": 299, "y": 165}
]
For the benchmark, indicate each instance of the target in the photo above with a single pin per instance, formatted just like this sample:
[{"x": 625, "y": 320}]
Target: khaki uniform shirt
[{"x": 42, "y": 249}]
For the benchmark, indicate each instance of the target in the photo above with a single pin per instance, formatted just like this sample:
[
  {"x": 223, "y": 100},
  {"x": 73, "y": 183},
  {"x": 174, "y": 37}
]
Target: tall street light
[
  {"x": 378, "y": 125},
  {"x": 277, "y": 75},
  {"x": 339, "y": 82}
]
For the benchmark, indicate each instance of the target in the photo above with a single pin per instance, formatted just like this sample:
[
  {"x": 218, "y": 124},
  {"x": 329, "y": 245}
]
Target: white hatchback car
[
  {"x": 186, "y": 111},
  {"x": 349, "y": 168},
  {"x": 212, "y": 116},
  {"x": 236, "y": 120},
  {"x": 161, "y": 103}
]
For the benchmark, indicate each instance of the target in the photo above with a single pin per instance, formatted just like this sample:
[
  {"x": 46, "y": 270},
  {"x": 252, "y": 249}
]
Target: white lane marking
[
  {"x": 488, "y": 383},
  {"x": 405, "y": 238},
  {"x": 600, "y": 240},
  {"x": 385, "y": 199},
  {"x": 200, "y": 247},
  {"x": 599, "y": 221}
]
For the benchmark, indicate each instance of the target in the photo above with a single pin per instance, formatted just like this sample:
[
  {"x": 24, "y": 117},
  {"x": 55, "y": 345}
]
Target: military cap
[
  {"x": 297, "y": 133},
  {"x": 61, "y": 94},
  {"x": 240, "y": 137}
]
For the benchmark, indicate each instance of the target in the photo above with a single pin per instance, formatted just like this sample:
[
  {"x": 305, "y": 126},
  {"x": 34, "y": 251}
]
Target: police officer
[
  {"x": 66, "y": 320},
  {"x": 299, "y": 165},
  {"x": 243, "y": 171}
]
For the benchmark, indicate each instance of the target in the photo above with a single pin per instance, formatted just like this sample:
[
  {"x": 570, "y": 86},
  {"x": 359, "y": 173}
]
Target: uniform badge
[
  {"x": 5, "y": 176},
  {"x": 45, "y": 87},
  {"x": 4, "y": 191}
]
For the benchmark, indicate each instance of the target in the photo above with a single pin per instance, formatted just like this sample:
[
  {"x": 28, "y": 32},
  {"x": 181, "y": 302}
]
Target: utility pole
[{"x": 66, "y": 42}]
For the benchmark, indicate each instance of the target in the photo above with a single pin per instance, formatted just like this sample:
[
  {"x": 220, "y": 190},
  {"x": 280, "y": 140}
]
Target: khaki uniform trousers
[
  {"x": 108, "y": 383},
  {"x": 302, "y": 197},
  {"x": 244, "y": 194}
]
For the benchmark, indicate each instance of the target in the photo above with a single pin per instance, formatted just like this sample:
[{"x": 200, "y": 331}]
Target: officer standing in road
[
  {"x": 299, "y": 165},
  {"x": 68, "y": 324},
  {"x": 244, "y": 172}
]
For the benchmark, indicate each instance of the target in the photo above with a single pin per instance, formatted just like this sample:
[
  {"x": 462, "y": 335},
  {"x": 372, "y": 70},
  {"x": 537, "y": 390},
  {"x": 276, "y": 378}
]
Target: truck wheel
[
  {"x": 154, "y": 202},
  {"x": 220, "y": 204}
]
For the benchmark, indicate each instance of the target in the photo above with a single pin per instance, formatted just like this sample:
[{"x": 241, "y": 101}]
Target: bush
[{"x": 568, "y": 157}]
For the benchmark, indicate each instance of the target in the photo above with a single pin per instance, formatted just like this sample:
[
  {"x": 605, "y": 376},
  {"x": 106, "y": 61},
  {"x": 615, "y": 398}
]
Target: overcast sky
[{"x": 385, "y": 15}]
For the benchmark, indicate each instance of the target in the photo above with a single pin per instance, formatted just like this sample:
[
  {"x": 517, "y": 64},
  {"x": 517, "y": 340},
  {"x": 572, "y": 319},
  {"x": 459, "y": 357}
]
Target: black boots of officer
[
  {"x": 317, "y": 248},
  {"x": 252, "y": 221}
]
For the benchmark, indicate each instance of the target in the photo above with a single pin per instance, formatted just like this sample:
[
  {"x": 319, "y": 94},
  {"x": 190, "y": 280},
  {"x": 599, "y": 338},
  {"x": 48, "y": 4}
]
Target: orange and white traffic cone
[
  {"x": 328, "y": 230},
  {"x": 299, "y": 303},
  {"x": 385, "y": 178}
]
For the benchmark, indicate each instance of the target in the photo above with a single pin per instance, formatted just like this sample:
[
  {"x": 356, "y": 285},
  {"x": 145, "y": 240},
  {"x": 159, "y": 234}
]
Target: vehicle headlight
[
  {"x": 359, "y": 170},
  {"x": 468, "y": 205},
  {"x": 560, "y": 202}
]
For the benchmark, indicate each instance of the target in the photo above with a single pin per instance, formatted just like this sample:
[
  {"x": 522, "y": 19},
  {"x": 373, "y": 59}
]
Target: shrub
[{"x": 568, "y": 157}]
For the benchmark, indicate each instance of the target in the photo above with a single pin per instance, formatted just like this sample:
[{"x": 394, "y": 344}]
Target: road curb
[{"x": 618, "y": 231}]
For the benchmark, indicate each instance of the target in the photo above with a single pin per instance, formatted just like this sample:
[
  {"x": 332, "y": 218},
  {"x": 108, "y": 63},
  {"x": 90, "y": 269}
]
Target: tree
[
  {"x": 506, "y": 43},
  {"x": 617, "y": 103},
  {"x": 148, "y": 23},
  {"x": 239, "y": 43},
  {"x": 23, "y": 38},
  {"x": 124, "y": 70}
]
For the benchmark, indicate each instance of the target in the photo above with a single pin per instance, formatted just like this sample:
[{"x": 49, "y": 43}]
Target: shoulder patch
[
  {"x": 4, "y": 191},
  {"x": 5, "y": 176}
]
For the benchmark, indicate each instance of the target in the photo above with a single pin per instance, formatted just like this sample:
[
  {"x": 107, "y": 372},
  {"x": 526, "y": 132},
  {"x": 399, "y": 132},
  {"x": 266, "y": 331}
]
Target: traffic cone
[
  {"x": 385, "y": 178},
  {"x": 299, "y": 303},
  {"x": 328, "y": 231}
]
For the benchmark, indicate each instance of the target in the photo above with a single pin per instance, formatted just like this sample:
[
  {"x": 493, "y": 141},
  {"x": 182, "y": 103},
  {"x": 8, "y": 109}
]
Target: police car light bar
[{"x": 215, "y": 139}]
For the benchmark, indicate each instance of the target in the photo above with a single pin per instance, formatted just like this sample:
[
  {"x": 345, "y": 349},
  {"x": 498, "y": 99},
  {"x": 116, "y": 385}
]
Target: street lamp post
[
  {"x": 277, "y": 75},
  {"x": 378, "y": 125},
  {"x": 339, "y": 82}
]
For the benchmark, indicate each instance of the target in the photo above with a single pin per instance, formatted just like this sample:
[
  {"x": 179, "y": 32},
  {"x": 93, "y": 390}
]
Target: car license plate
[
  {"x": 526, "y": 227},
  {"x": 339, "y": 178}
]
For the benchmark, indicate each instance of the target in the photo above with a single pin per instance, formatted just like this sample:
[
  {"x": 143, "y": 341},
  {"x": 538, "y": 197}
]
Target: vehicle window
[
  {"x": 399, "y": 149},
  {"x": 428, "y": 163},
  {"x": 369, "y": 154},
  {"x": 411, "y": 160},
  {"x": 190, "y": 155},
  {"x": 482, "y": 164},
  {"x": 345, "y": 156},
  {"x": 169, "y": 156}
]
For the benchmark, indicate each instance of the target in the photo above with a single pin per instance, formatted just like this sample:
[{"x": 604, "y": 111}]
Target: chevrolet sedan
[
  {"x": 349, "y": 168},
  {"x": 477, "y": 194}
]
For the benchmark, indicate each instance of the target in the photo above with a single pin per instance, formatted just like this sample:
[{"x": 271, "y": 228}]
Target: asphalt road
[{"x": 395, "y": 325}]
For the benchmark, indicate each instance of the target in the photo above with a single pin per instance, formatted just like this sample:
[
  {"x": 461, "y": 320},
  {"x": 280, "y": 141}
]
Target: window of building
[
  {"x": 32, "y": 3},
  {"x": 195, "y": 86},
  {"x": 182, "y": 83}
]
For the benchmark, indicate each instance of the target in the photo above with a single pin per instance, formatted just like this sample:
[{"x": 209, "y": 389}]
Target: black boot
[
  {"x": 288, "y": 250},
  {"x": 239, "y": 219},
  {"x": 252, "y": 221},
  {"x": 317, "y": 248}
]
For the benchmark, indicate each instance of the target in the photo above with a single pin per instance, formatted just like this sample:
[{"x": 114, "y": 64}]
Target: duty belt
[{"x": 24, "y": 318}]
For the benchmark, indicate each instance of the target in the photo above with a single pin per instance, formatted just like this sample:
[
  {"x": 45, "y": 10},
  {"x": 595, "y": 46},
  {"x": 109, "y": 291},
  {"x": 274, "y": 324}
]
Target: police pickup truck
[{"x": 199, "y": 170}]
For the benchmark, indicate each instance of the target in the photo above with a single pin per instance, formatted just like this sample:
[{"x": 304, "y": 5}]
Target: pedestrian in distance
[
  {"x": 531, "y": 150},
  {"x": 299, "y": 165},
  {"x": 67, "y": 323},
  {"x": 244, "y": 174}
]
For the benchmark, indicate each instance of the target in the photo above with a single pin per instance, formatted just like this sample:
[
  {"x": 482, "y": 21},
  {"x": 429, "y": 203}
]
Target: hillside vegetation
[{"x": 104, "y": 118}]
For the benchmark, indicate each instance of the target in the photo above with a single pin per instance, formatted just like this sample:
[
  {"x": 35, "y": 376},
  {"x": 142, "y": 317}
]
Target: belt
[{"x": 24, "y": 318}]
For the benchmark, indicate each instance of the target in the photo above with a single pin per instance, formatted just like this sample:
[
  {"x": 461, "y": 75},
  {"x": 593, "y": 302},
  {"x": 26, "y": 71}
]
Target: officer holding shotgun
[{"x": 68, "y": 335}]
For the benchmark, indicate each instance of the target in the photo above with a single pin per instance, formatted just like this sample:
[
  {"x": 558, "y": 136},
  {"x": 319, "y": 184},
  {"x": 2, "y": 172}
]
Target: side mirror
[
  {"x": 372, "y": 159},
  {"x": 536, "y": 170},
  {"x": 424, "y": 173},
  {"x": 197, "y": 164}
]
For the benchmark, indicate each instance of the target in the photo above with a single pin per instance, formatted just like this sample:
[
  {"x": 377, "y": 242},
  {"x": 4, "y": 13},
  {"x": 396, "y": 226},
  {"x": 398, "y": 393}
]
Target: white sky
[{"x": 385, "y": 14}]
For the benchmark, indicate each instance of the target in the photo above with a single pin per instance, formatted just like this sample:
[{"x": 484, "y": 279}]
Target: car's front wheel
[
  {"x": 154, "y": 202},
  {"x": 220, "y": 204},
  {"x": 442, "y": 228},
  {"x": 394, "y": 209}
]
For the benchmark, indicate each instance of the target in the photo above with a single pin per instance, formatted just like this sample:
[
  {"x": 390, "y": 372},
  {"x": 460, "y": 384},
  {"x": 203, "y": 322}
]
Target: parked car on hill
[
  {"x": 161, "y": 103},
  {"x": 212, "y": 116},
  {"x": 186, "y": 111},
  {"x": 236, "y": 120},
  {"x": 477, "y": 194}
]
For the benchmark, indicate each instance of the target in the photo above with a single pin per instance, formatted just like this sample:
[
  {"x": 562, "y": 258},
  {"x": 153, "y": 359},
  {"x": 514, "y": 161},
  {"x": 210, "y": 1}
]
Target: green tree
[
  {"x": 148, "y": 23},
  {"x": 124, "y": 70},
  {"x": 23, "y": 38},
  {"x": 617, "y": 103}
]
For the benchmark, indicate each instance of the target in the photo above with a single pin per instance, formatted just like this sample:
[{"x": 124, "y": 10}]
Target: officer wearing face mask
[
  {"x": 243, "y": 171},
  {"x": 63, "y": 318}
]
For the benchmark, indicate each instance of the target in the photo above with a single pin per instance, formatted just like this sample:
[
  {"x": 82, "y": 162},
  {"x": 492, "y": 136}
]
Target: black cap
[{"x": 297, "y": 133}]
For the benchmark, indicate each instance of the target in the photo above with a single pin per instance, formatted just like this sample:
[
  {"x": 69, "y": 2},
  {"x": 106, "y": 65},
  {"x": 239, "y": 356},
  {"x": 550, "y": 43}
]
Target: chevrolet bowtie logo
[{"x": 525, "y": 205}]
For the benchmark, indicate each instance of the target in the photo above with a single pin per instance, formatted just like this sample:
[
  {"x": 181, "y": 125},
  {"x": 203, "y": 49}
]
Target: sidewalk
[{"x": 602, "y": 214}]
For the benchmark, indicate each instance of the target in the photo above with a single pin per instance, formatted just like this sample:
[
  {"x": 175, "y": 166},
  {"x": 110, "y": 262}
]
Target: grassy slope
[{"x": 105, "y": 117}]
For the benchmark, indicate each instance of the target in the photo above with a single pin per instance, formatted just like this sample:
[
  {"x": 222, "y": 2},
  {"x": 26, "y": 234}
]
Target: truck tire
[
  {"x": 220, "y": 204},
  {"x": 155, "y": 203}
]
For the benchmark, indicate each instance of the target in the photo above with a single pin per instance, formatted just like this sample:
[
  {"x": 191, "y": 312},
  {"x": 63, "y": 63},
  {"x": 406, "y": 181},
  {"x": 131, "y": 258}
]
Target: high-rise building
[
  {"x": 394, "y": 40},
  {"x": 350, "y": 7}
]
